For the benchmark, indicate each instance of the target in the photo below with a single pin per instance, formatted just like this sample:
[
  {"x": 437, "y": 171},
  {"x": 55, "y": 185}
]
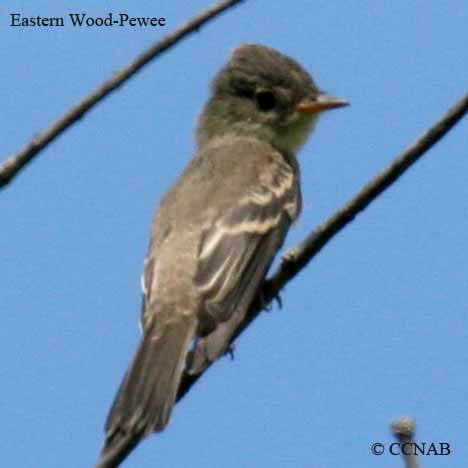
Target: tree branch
[
  {"x": 298, "y": 257},
  {"x": 13, "y": 165},
  {"x": 404, "y": 429}
]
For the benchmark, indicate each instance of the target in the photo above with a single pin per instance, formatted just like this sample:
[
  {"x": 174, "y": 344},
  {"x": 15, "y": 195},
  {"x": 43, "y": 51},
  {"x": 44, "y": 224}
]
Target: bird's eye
[{"x": 265, "y": 100}]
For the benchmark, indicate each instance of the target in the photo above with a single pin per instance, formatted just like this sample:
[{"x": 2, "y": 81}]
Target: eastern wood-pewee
[{"x": 217, "y": 230}]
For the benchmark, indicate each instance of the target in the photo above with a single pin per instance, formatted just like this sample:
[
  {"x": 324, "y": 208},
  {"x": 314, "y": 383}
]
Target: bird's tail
[{"x": 147, "y": 393}]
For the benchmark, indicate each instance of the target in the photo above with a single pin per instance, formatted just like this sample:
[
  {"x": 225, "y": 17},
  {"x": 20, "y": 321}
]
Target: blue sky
[{"x": 375, "y": 327}]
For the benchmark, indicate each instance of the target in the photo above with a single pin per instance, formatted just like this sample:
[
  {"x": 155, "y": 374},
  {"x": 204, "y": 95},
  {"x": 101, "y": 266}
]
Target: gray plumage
[{"x": 215, "y": 233}]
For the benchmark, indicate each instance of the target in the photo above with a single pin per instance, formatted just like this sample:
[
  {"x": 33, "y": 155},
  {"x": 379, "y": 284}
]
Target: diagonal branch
[
  {"x": 13, "y": 165},
  {"x": 298, "y": 257}
]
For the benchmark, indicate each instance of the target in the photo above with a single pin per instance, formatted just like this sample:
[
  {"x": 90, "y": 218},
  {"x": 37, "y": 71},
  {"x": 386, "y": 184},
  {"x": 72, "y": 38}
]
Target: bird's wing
[{"x": 236, "y": 252}]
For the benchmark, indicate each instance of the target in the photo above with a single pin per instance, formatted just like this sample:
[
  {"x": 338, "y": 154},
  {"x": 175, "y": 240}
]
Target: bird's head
[{"x": 264, "y": 94}]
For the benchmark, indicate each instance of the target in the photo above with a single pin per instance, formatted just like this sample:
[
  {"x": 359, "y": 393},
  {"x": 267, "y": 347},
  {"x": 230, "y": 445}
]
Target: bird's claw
[
  {"x": 278, "y": 300},
  {"x": 267, "y": 305},
  {"x": 230, "y": 351}
]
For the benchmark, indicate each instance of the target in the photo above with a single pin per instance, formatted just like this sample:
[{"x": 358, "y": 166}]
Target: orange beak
[{"x": 320, "y": 104}]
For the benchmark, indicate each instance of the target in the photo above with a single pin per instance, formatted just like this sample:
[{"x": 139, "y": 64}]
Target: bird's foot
[
  {"x": 230, "y": 351},
  {"x": 265, "y": 293}
]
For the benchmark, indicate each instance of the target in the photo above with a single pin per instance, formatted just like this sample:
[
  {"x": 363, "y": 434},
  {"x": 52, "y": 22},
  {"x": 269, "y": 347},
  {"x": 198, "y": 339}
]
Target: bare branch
[
  {"x": 13, "y": 165},
  {"x": 298, "y": 257},
  {"x": 404, "y": 430}
]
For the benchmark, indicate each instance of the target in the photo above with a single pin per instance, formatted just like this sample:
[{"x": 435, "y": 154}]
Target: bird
[{"x": 216, "y": 232}]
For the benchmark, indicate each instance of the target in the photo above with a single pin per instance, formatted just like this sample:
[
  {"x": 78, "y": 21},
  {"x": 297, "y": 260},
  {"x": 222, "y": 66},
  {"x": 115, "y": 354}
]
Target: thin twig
[
  {"x": 13, "y": 165},
  {"x": 404, "y": 430},
  {"x": 298, "y": 257}
]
